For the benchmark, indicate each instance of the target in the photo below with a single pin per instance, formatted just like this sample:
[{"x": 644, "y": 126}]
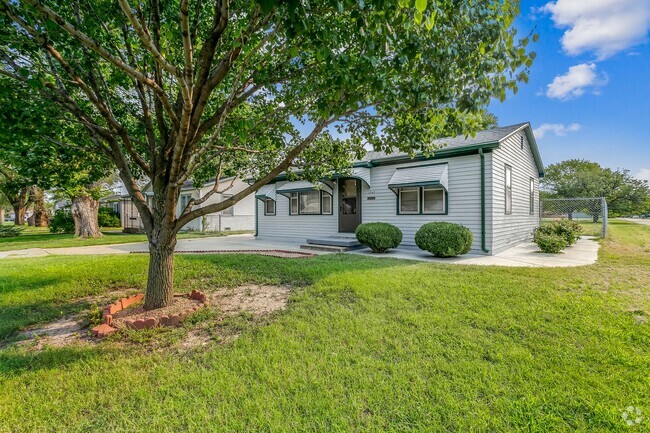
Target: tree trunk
[
  {"x": 160, "y": 283},
  {"x": 41, "y": 218},
  {"x": 2, "y": 215},
  {"x": 84, "y": 213},
  {"x": 19, "y": 214}
]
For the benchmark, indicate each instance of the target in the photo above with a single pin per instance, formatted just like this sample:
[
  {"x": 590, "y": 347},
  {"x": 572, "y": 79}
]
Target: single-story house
[
  {"x": 240, "y": 217},
  {"x": 488, "y": 183}
]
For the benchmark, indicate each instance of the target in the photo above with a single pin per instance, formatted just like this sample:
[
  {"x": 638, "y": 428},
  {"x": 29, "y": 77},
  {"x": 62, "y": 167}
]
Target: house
[
  {"x": 488, "y": 183},
  {"x": 240, "y": 217}
]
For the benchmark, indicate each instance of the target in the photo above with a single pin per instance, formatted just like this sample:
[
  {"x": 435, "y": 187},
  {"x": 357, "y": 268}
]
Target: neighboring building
[
  {"x": 240, "y": 217},
  {"x": 488, "y": 183}
]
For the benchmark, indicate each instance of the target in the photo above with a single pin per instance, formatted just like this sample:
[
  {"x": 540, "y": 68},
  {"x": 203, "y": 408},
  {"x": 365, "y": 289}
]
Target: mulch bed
[{"x": 283, "y": 254}]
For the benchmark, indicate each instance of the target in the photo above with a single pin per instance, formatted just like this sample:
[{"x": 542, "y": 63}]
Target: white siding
[
  {"x": 464, "y": 205},
  {"x": 243, "y": 217},
  {"x": 295, "y": 228},
  {"x": 518, "y": 226},
  {"x": 464, "y": 198}
]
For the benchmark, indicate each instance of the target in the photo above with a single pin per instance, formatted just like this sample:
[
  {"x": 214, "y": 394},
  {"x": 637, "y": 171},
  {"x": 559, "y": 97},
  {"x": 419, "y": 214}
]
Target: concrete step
[
  {"x": 335, "y": 241},
  {"x": 331, "y": 248}
]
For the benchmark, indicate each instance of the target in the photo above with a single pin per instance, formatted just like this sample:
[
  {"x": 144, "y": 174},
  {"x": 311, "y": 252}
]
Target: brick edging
[{"x": 107, "y": 327}]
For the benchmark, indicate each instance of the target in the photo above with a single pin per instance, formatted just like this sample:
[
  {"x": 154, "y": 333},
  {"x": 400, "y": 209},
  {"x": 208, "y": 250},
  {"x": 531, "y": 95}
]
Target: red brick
[
  {"x": 150, "y": 322},
  {"x": 194, "y": 294},
  {"x": 103, "y": 330},
  {"x": 129, "y": 324},
  {"x": 139, "y": 297},
  {"x": 164, "y": 321},
  {"x": 139, "y": 324},
  {"x": 174, "y": 320},
  {"x": 108, "y": 319}
]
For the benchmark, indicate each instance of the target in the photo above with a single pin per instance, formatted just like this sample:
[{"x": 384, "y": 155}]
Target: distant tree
[
  {"x": 181, "y": 90},
  {"x": 625, "y": 195},
  {"x": 42, "y": 150}
]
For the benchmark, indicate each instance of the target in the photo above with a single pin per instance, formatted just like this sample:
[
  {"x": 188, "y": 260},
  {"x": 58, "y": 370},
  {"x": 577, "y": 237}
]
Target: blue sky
[{"x": 589, "y": 92}]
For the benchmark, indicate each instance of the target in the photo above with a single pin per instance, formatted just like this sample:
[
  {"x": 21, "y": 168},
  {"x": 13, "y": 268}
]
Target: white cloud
[
  {"x": 578, "y": 79},
  {"x": 604, "y": 27},
  {"x": 559, "y": 129},
  {"x": 644, "y": 174}
]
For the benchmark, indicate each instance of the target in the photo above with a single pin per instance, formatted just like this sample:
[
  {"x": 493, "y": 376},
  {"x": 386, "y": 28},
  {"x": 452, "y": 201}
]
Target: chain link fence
[{"x": 591, "y": 213}]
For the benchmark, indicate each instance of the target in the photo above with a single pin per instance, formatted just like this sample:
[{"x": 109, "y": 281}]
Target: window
[
  {"x": 326, "y": 203},
  {"x": 185, "y": 199},
  {"x": 433, "y": 200},
  {"x": 228, "y": 211},
  {"x": 293, "y": 210},
  {"x": 310, "y": 203},
  {"x": 508, "y": 184},
  {"x": 409, "y": 200},
  {"x": 532, "y": 196},
  {"x": 269, "y": 206},
  {"x": 422, "y": 200}
]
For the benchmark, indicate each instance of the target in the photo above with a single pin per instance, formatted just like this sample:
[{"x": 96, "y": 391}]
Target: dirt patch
[
  {"x": 137, "y": 311},
  {"x": 257, "y": 300},
  {"x": 61, "y": 332}
]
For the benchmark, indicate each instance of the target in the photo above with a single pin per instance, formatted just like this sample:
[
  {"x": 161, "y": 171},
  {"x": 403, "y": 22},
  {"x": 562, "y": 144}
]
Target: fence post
[{"x": 605, "y": 212}]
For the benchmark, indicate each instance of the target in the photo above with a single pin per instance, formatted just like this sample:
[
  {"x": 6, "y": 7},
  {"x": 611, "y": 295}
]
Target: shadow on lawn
[{"x": 14, "y": 361}]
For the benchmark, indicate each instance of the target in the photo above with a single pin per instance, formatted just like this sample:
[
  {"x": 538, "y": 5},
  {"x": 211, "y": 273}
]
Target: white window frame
[
  {"x": 444, "y": 200},
  {"x": 185, "y": 199},
  {"x": 531, "y": 204},
  {"x": 417, "y": 190},
  {"x": 294, "y": 196},
  {"x": 326, "y": 195},
  {"x": 507, "y": 189},
  {"x": 266, "y": 203}
]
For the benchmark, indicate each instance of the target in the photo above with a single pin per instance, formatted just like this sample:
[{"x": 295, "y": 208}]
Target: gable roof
[{"x": 448, "y": 146}]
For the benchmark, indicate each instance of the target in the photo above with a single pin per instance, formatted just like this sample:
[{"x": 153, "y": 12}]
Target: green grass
[
  {"x": 36, "y": 237},
  {"x": 366, "y": 344}
]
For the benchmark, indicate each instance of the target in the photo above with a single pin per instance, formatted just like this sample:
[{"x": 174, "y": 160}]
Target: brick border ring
[{"x": 107, "y": 327}]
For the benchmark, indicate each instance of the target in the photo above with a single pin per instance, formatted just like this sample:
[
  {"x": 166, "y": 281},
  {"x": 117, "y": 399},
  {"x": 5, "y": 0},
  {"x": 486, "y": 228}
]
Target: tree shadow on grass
[
  {"x": 14, "y": 318},
  {"x": 16, "y": 361}
]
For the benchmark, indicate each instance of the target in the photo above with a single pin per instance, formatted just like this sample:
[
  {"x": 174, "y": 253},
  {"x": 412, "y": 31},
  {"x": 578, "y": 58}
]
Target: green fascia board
[{"x": 406, "y": 185}]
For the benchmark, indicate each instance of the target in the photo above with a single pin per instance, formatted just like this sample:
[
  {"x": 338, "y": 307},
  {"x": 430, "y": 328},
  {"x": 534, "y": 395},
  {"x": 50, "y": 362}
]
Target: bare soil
[
  {"x": 137, "y": 311},
  {"x": 61, "y": 332},
  {"x": 257, "y": 300}
]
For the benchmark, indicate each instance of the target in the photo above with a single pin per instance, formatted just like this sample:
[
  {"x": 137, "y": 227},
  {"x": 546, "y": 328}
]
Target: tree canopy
[
  {"x": 174, "y": 91},
  {"x": 625, "y": 195}
]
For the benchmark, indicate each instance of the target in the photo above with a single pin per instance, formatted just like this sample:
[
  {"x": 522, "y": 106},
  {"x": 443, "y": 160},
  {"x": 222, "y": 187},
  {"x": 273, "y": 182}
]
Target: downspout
[
  {"x": 483, "y": 247},
  {"x": 257, "y": 204}
]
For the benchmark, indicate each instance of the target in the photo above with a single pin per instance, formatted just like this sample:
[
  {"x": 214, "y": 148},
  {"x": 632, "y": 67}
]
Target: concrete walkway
[{"x": 585, "y": 252}]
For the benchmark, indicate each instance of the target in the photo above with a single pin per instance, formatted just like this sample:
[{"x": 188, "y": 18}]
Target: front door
[{"x": 349, "y": 204}]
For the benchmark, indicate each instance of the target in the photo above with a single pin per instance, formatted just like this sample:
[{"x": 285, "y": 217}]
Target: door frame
[{"x": 339, "y": 186}]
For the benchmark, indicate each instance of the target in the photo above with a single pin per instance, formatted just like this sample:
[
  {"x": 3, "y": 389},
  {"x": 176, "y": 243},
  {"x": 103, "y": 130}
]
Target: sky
[{"x": 589, "y": 91}]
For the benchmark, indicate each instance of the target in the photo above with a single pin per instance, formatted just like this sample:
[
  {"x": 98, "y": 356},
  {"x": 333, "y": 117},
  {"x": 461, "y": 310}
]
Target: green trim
[
  {"x": 256, "y": 222},
  {"x": 406, "y": 185},
  {"x": 439, "y": 154},
  {"x": 421, "y": 203},
  {"x": 483, "y": 245}
]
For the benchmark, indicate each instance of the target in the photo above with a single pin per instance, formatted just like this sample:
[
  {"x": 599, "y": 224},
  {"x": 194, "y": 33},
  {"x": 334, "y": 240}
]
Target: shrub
[
  {"x": 107, "y": 217},
  {"x": 549, "y": 242},
  {"x": 568, "y": 231},
  {"x": 444, "y": 239},
  {"x": 62, "y": 222},
  {"x": 10, "y": 231},
  {"x": 380, "y": 237}
]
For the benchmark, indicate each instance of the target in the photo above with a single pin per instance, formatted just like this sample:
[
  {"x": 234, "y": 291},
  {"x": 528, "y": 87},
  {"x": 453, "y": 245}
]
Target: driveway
[
  {"x": 644, "y": 221},
  {"x": 585, "y": 252}
]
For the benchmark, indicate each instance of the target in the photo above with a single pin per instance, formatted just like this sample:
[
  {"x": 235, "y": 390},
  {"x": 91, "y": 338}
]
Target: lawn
[
  {"x": 365, "y": 345},
  {"x": 37, "y": 237}
]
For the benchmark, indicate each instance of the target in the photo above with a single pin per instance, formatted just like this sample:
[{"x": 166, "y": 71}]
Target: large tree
[
  {"x": 625, "y": 195},
  {"x": 174, "y": 90}
]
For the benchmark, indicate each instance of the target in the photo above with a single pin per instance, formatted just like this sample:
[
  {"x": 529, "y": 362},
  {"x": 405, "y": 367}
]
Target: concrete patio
[{"x": 585, "y": 252}]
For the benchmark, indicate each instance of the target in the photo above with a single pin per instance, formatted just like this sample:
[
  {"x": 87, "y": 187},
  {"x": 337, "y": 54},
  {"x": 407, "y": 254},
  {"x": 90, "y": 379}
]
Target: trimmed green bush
[
  {"x": 550, "y": 242},
  {"x": 62, "y": 222},
  {"x": 566, "y": 230},
  {"x": 10, "y": 231},
  {"x": 444, "y": 239},
  {"x": 380, "y": 237},
  {"x": 107, "y": 217}
]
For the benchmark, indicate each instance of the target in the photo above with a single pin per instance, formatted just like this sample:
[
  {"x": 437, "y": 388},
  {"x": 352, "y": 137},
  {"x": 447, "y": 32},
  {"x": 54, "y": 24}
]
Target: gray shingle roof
[{"x": 482, "y": 137}]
